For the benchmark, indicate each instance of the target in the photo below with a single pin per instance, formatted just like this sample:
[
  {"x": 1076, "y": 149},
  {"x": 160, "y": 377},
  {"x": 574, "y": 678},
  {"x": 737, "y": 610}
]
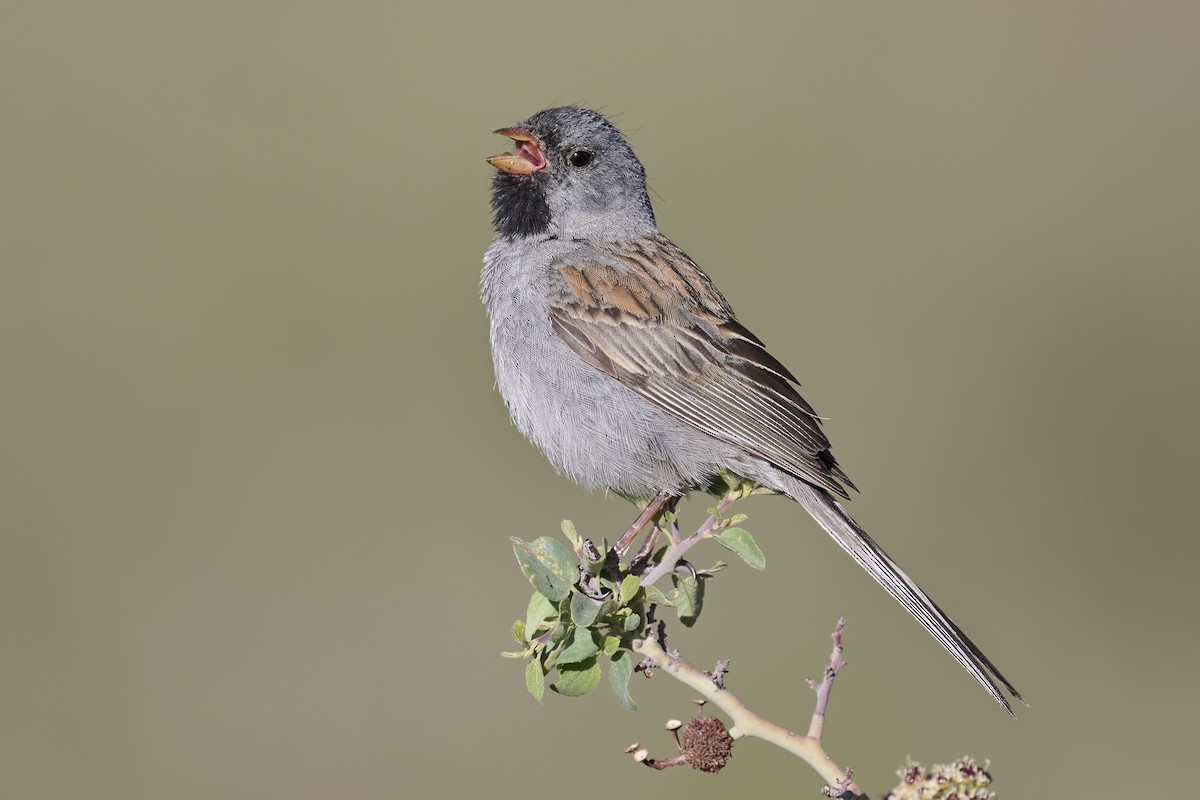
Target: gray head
[{"x": 571, "y": 174}]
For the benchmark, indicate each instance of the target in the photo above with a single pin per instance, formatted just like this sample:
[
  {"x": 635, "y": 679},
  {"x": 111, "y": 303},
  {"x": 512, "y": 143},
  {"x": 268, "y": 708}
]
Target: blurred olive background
[{"x": 256, "y": 485}]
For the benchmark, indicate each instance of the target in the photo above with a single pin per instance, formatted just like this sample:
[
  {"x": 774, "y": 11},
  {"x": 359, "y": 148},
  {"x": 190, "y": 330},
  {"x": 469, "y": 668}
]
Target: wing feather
[{"x": 692, "y": 359}]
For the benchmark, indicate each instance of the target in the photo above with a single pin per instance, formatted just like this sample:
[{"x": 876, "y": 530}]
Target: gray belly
[{"x": 589, "y": 426}]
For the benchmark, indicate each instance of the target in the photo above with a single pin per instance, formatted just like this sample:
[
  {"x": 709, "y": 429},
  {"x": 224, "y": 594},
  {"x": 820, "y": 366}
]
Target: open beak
[{"x": 527, "y": 157}]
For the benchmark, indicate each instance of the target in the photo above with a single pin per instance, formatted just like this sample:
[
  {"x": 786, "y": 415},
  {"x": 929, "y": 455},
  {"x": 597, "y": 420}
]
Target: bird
[{"x": 619, "y": 358}]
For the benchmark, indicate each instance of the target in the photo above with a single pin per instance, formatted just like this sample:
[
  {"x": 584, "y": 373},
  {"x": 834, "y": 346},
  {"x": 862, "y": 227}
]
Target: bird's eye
[{"x": 581, "y": 158}]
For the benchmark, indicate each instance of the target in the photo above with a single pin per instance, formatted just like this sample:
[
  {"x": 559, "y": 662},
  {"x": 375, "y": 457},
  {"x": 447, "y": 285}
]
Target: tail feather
[{"x": 871, "y": 557}]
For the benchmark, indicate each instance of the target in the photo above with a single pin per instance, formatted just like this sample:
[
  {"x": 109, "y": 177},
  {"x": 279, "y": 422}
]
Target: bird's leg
[
  {"x": 639, "y": 562},
  {"x": 652, "y": 508}
]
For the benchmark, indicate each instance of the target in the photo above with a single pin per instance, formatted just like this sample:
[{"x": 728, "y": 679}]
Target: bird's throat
[{"x": 519, "y": 205}]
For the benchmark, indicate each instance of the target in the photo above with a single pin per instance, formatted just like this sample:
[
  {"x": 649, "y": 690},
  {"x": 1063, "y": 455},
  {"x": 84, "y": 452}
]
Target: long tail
[{"x": 855, "y": 541}]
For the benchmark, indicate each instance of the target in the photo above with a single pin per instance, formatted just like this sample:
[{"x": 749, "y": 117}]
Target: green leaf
[
  {"x": 739, "y": 541},
  {"x": 539, "y": 610},
  {"x": 620, "y": 670},
  {"x": 629, "y": 588},
  {"x": 568, "y": 529},
  {"x": 608, "y": 606},
  {"x": 577, "y": 680},
  {"x": 549, "y": 657},
  {"x": 549, "y": 565},
  {"x": 560, "y": 630},
  {"x": 518, "y": 632},
  {"x": 584, "y": 609},
  {"x": 581, "y": 645},
  {"x": 688, "y": 595},
  {"x": 611, "y": 645},
  {"x": 656, "y": 596},
  {"x": 535, "y": 681},
  {"x": 631, "y": 623}
]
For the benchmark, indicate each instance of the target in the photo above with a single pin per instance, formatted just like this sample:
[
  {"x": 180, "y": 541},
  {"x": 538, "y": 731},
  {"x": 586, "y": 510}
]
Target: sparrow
[{"x": 626, "y": 366}]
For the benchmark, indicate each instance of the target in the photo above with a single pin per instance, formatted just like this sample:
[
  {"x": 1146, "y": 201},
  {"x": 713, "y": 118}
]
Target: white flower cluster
[{"x": 962, "y": 780}]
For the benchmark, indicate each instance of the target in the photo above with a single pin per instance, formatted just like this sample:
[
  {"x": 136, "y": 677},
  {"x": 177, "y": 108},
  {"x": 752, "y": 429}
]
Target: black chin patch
[{"x": 519, "y": 205}]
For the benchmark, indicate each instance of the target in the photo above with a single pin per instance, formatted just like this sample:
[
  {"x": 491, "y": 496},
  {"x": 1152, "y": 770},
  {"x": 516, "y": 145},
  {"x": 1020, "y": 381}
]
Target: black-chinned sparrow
[{"x": 619, "y": 359}]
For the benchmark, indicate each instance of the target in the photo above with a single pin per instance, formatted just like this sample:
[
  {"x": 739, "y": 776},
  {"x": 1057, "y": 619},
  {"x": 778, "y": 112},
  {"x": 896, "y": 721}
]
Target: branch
[
  {"x": 747, "y": 723},
  {"x": 675, "y": 552},
  {"x": 826, "y": 685}
]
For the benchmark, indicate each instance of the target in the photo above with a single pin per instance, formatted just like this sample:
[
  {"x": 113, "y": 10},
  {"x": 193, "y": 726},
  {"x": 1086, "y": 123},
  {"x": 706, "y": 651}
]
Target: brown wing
[{"x": 692, "y": 359}]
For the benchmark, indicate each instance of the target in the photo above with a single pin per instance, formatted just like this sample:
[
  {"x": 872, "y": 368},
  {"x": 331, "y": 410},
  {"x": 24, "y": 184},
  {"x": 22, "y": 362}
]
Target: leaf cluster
[
  {"x": 586, "y": 608},
  {"x": 582, "y": 613}
]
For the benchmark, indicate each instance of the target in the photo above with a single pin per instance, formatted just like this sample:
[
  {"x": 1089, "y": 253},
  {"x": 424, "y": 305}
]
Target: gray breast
[{"x": 590, "y": 427}]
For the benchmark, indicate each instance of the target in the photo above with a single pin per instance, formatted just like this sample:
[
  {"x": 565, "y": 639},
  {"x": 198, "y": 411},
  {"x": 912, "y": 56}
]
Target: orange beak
[{"x": 527, "y": 157}]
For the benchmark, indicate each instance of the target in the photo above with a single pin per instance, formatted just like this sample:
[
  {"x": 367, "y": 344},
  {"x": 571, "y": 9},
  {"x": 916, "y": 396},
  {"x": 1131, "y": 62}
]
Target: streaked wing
[
  {"x": 692, "y": 359},
  {"x": 695, "y": 361}
]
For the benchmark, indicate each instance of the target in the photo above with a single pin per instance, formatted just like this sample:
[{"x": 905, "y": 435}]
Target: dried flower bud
[{"x": 705, "y": 743}]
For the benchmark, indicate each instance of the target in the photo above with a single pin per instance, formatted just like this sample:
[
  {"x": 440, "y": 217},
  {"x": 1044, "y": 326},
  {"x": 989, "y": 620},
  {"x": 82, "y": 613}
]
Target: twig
[
  {"x": 826, "y": 685},
  {"x": 675, "y": 552},
  {"x": 747, "y": 723}
]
